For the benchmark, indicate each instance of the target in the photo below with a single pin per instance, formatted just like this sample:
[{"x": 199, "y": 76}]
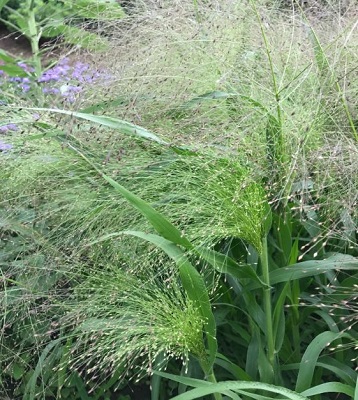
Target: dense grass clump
[{"x": 192, "y": 207}]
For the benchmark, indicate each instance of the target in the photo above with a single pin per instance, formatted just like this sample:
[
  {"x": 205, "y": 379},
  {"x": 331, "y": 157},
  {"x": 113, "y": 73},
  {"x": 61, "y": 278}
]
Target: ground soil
[{"x": 14, "y": 44}]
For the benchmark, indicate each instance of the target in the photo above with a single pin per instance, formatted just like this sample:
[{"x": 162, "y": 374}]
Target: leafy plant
[
  {"x": 52, "y": 18},
  {"x": 231, "y": 262}
]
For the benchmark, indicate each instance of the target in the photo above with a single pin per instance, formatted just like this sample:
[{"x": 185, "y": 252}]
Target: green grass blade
[
  {"x": 310, "y": 268},
  {"x": 310, "y": 357},
  {"x": 30, "y": 388},
  {"x": 104, "y": 105},
  {"x": 226, "y": 265},
  {"x": 327, "y": 72},
  {"x": 212, "y": 96},
  {"x": 204, "y": 389},
  {"x": 341, "y": 370},
  {"x": 237, "y": 372},
  {"x": 110, "y": 122},
  {"x": 155, "y": 380},
  {"x": 219, "y": 261},
  {"x": 330, "y": 387},
  {"x": 320, "y": 56},
  {"x": 157, "y": 220}
]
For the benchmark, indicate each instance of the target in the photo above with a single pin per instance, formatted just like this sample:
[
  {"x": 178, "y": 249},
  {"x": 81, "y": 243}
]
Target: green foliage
[
  {"x": 203, "y": 229},
  {"x": 36, "y": 19}
]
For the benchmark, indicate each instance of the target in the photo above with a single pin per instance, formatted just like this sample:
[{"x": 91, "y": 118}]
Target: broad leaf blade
[{"x": 310, "y": 357}]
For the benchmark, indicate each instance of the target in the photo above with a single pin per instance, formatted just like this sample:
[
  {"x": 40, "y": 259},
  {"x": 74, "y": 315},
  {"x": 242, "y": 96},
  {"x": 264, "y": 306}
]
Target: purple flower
[
  {"x": 25, "y": 88},
  {"x": 66, "y": 89},
  {"x": 25, "y": 67},
  {"x": 36, "y": 116},
  {"x": 50, "y": 90},
  {"x": 57, "y": 72},
  {"x": 8, "y": 127},
  {"x": 4, "y": 147},
  {"x": 15, "y": 79}
]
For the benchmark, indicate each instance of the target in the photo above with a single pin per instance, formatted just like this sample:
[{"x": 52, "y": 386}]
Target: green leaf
[
  {"x": 13, "y": 70},
  {"x": 30, "y": 388},
  {"x": 104, "y": 105},
  {"x": 55, "y": 29},
  {"x": 279, "y": 318},
  {"x": 205, "y": 388},
  {"x": 310, "y": 357},
  {"x": 80, "y": 386},
  {"x": 214, "y": 96},
  {"x": 219, "y": 261},
  {"x": 320, "y": 56},
  {"x": 330, "y": 387},
  {"x": 97, "y": 9},
  {"x": 2, "y": 3},
  {"x": 3, "y": 55},
  {"x": 17, "y": 371},
  {"x": 237, "y": 372},
  {"x": 310, "y": 268},
  {"x": 226, "y": 265},
  {"x": 341, "y": 370},
  {"x": 157, "y": 220},
  {"x": 110, "y": 122}
]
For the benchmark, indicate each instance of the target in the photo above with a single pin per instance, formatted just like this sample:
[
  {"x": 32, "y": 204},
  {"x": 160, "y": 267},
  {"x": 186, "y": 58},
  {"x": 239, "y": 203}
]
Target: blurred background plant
[{"x": 52, "y": 19}]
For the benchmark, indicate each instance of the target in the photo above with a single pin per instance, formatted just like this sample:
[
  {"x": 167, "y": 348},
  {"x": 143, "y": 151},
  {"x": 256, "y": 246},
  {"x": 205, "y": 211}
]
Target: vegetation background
[{"x": 178, "y": 200}]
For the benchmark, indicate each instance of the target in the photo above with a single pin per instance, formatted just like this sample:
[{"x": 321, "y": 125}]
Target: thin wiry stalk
[{"x": 270, "y": 340}]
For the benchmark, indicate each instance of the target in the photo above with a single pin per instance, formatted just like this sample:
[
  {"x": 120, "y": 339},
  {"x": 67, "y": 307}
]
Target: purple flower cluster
[
  {"x": 64, "y": 79},
  {"x": 4, "y": 147},
  {"x": 8, "y": 127}
]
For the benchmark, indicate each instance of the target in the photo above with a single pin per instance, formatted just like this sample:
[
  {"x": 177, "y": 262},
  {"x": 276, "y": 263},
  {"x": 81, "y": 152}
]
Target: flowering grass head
[
  {"x": 123, "y": 320},
  {"x": 211, "y": 198}
]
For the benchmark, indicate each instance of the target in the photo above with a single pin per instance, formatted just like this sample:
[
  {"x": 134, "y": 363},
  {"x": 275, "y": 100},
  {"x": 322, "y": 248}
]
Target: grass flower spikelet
[{"x": 125, "y": 320}]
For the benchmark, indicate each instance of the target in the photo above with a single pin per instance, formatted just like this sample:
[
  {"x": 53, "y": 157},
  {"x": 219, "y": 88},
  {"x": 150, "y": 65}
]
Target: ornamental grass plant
[{"x": 189, "y": 217}]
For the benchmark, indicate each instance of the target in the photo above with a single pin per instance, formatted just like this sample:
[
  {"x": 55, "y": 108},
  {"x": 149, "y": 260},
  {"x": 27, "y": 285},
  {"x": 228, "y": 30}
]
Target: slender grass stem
[
  {"x": 211, "y": 378},
  {"x": 267, "y": 305},
  {"x": 34, "y": 37},
  {"x": 209, "y": 373}
]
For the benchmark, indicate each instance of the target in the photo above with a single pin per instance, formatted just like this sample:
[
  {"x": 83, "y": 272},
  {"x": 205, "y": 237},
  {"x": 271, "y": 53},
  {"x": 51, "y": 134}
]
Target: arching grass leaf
[
  {"x": 204, "y": 388},
  {"x": 330, "y": 387},
  {"x": 310, "y": 357}
]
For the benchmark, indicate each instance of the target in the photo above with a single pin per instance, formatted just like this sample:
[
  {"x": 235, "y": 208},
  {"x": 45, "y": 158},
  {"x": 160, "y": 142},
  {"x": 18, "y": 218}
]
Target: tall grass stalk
[
  {"x": 268, "y": 309},
  {"x": 34, "y": 36}
]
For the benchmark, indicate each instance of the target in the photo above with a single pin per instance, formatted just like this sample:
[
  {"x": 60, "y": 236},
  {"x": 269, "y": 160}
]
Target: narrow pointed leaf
[
  {"x": 330, "y": 387},
  {"x": 310, "y": 268},
  {"x": 226, "y": 265},
  {"x": 204, "y": 389},
  {"x": 110, "y": 122},
  {"x": 310, "y": 358},
  {"x": 157, "y": 220}
]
